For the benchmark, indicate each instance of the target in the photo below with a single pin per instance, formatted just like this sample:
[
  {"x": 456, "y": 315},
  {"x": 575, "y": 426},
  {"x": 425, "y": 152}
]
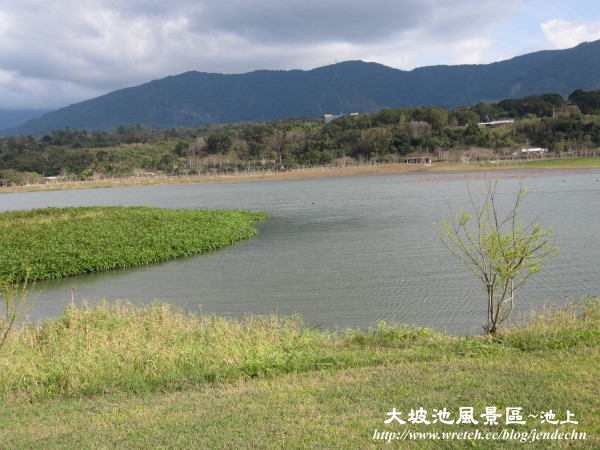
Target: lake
[{"x": 340, "y": 252}]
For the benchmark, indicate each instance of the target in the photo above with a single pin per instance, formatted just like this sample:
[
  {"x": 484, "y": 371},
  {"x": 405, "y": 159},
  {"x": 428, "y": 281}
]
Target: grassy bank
[
  {"x": 138, "y": 377},
  {"x": 317, "y": 172},
  {"x": 55, "y": 242},
  {"x": 560, "y": 163}
]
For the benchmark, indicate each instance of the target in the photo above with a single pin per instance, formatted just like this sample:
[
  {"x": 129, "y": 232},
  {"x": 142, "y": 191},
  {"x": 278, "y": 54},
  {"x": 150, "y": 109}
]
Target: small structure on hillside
[
  {"x": 496, "y": 123},
  {"x": 329, "y": 117},
  {"x": 537, "y": 150},
  {"x": 418, "y": 160}
]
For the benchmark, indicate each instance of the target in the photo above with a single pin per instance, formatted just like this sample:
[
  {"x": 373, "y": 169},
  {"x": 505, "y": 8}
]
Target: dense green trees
[
  {"x": 587, "y": 101},
  {"x": 540, "y": 121},
  {"x": 219, "y": 143}
]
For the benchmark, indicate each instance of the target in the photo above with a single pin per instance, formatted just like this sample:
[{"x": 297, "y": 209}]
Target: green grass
[
  {"x": 92, "y": 350},
  {"x": 591, "y": 162},
  {"x": 56, "y": 242},
  {"x": 324, "y": 410},
  {"x": 139, "y": 377}
]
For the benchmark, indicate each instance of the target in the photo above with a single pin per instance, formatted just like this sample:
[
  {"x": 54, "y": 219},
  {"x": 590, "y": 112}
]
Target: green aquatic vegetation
[{"x": 57, "y": 242}]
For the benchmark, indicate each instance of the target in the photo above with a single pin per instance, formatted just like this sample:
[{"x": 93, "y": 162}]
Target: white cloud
[
  {"x": 61, "y": 52},
  {"x": 18, "y": 92},
  {"x": 563, "y": 34},
  {"x": 472, "y": 51}
]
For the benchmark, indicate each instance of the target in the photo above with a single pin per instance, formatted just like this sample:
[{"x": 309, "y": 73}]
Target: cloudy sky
[{"x": 54, "y": 53}]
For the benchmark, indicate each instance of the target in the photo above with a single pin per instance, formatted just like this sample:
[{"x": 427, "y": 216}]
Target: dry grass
[{"x": 319, "y": 172}]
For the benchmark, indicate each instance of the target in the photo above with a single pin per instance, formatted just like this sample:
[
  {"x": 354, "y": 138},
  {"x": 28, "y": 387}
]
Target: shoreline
[{"x": 536, "y": 167}]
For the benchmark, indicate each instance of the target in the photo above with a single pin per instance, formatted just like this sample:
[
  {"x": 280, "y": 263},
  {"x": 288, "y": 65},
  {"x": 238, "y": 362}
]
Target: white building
[
  {"x": 496, "y": 123},
  {"x": 538, "y": 150}
]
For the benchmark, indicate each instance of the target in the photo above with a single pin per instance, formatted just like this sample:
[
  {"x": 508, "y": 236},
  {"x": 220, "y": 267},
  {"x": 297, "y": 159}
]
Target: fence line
[{"x": 141, "y": 179}]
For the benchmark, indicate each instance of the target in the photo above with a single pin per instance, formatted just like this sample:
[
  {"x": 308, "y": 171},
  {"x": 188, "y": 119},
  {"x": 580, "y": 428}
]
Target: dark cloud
[
  {"x": 73, "y": 48},
  {"x": 291, "y": 21}
]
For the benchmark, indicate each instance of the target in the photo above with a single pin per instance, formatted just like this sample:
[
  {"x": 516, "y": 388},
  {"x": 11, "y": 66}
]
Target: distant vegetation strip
[
  {"x": 545, "y": 126},
  {"x": 585, "y": 163},
  {"x": 56, "y": 242}
]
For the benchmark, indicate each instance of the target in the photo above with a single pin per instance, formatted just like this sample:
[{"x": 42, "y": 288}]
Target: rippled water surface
[{"x": 341, "y": 252}]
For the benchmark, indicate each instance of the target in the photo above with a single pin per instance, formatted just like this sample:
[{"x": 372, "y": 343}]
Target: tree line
[{"x": 548, "y": 120}]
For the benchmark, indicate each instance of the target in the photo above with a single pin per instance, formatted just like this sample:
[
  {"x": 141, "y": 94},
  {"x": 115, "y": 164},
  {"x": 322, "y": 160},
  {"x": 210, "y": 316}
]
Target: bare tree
[
  {"x": 419, "y": 128},
  {"x": 16, "y": 302}
]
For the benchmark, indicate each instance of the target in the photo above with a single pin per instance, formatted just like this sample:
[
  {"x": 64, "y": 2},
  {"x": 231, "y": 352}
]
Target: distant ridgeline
[{"x": 193, "y": 99}]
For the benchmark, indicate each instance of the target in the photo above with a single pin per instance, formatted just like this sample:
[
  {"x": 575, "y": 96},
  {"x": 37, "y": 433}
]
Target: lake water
[{"x": 340, "y": 252}]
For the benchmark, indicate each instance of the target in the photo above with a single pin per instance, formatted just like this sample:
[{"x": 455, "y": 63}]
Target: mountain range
[{"x": 198, "y": 98}]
